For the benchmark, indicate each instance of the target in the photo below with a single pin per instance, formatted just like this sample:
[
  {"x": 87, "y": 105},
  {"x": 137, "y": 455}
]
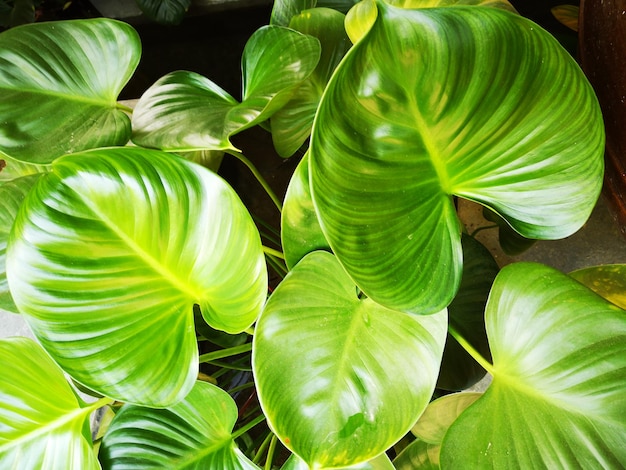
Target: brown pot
[{"x": 602, "y": 36}]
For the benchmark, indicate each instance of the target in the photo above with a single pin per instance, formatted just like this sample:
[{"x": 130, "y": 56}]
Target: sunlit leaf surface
[
  {"x": 42, "y": 423},
  {"x": 435, "y": 102},
  {"x": 559, "y": 374},
  {"x": 59, "y": 84},
  {"x": 109, "y": 253},
  {"x": 340, "y": 378}
]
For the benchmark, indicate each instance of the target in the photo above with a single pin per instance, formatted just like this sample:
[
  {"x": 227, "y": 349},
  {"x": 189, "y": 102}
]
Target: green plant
[{"x": 134, "y": 264}]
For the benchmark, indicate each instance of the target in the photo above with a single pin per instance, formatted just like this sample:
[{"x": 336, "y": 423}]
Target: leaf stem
[
  {"x": 225, "y": 352},
  {"x": 470, "y": 349},
  {"x": 480, "y": 229},
  {"x": 270, "y": 453},
  {"x": 244, "y": 429},
  {"x": 123, "y": 107},
  {"x": 258, "y": 176},
  {"x": 271, "y": 251},
  {"x": 262, "y": 447}
]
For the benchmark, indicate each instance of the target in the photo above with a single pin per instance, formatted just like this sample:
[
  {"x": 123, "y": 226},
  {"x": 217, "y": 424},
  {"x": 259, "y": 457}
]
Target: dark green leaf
[
  {"x": 169, "y": 12},
  {"x": 192, "y": 434}
]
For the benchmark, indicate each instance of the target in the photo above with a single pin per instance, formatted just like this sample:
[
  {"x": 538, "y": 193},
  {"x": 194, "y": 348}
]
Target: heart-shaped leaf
[
  {"x": 110, "y": 252},
  {"x": 12, "y": 194},
  {"x": 300, "y": 233},
  {"x": 340, "y": 378},
  {"x": 291, "y": 125},
  {"x": 194, "y": 433},
  {"x": 185, "y": 111},
  {"x": 559, "y": 374},
  {"x": 43, "y": 424},
  {"x": 468, "y": 101},
  {"x": 59, "y": 83}
]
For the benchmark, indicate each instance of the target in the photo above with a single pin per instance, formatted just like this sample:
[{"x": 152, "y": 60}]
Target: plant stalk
[
  {"x": 470, "y": 349},
  {"x": 259, "y": 177},
  {"x": 225, "y": 352}
]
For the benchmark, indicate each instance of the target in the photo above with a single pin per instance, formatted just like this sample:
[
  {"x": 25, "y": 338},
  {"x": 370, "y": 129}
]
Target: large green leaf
[
  {"x": 43, "y": 425},
  {"x": 59, "y": 84},
  {"x": 291, "y": 125},
  {"x": 463, "y": 100},
  {"x": 341, "y": 378},
  {"x": 185, "y": 111},
  {"x": 110, "y": 252},
  {"x": 11, "y": 196},
  {"x": 559, "y": 373},
  {"x": 192, "y": 434},
  {"x": 300, "y": 231}
]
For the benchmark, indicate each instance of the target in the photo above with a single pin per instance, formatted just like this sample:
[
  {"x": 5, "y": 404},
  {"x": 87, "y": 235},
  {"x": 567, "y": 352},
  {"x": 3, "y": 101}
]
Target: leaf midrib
[
  {"x": 152, "y": 262},
  {"x": 100, "y": 102}
]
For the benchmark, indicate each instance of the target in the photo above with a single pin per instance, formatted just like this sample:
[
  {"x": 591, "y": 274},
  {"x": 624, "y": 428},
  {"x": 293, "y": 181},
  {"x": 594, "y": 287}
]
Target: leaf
[
  {"x": 11, "y": 196},
  {"x": 110, "y": 252},
  {"x": 339, "y": 378},
  {"x": 184, "y": 111},
  {"x": 559, "y": 373},
  {"x": 169, "y": 12},
  {"x": 608, "y": 281},
  {"x": 440, "y": 414},
  {"x": 194, "y": 433},
  {"x": 363, "y": 15},
  {"x": 20, "y": 12},
  {"x": 501, "y": 4},
  {"x": 300, "y": 232},
  {"x": 360, "y": 19},
  {"x": 11, "y": 169},
  {"x": 283, "y": 11},
  {"x": 42, "y": 427},
  {"x": 291, "y": 125},
  {"x": 459, "y": 370},
  {"x": 430, "y": 429},
  {"x": 450, "y": 101},
  {"x": 59, "y": 83},
  {"x": 567, "y": 15},
  {"x": 381, "y": 462}
]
